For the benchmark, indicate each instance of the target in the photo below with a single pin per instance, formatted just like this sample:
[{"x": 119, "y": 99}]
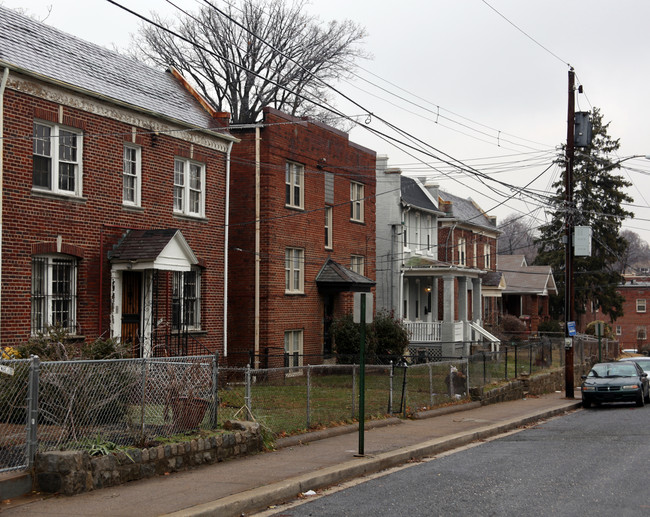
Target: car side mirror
[
  {"x": 583, "y": 377},
  {"x": 644, "y": 374}
]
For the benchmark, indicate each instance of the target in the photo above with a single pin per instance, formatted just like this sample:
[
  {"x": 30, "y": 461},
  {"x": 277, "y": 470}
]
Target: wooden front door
[{"x": 131, "y": 307}]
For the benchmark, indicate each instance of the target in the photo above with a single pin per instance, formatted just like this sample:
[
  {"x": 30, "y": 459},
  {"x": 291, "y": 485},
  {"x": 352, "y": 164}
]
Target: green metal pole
[
  {"x": 362, "y": 376},
  {"x": 600, "y": 344}
]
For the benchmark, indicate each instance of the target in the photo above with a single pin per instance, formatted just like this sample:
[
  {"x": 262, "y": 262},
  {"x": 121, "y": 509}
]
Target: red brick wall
[
  {"x": 286, "y": 138},
  {"x": 94, "y": 222}
]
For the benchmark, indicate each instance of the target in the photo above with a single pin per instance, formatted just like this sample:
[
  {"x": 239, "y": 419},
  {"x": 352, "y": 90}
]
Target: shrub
[
  {"x": 510, "y": 329},
  {"x": 591, "y": 329},
  {"x": 550, "y": 326},
  {"x": 385, "y": 336}
]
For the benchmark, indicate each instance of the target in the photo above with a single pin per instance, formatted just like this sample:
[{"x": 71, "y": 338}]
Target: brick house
[
  {"x": 630, "y": 329},
  {"x": 114, "y": 197},
  {"x": 527, "y": 290},
  {"x": 432, "y": 250},
  {"x": 301, "y": 238}
]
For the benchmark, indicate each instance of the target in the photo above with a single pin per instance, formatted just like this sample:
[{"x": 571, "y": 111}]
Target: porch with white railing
[{"x": 424, "y": 331}]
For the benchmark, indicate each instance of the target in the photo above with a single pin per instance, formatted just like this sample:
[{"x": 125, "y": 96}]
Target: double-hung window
[
  {"x": 54, "y": 293},
  {"x": 356, "y": 201},
  {"x": 294, "y": 266},
  {"x": 328, "y": 227},
  {"x": 131, "y": 175},
  {"x": 186, "y": 300},
  {"x": 293, "y": 349},
  {"x": 357, "y": 264},
  {"x": 462, "y": 252},
  {"x": 189, "y": 187},
  {"x": 294, "y": 185},
  {"x": 487, "y": 254},
  {"x": 57, "y": 159},
  {"x": 640, "y": 305},
  {"x": 641, "y": 334}
]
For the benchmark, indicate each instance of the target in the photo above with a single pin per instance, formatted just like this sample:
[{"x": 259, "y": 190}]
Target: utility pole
[{"x": 568, "y": 230}]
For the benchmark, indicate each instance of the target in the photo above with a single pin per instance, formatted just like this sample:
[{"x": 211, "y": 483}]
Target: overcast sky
[{"x": 479, "y": 89}]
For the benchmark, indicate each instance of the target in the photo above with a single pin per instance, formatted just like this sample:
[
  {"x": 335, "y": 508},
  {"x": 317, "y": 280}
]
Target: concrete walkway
[{"x": 246, "y": 485}]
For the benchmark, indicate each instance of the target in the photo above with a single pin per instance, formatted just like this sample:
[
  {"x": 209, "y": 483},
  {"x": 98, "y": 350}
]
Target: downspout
[
  {"x": 225, "y": 254},
  {"x": 3, "y": 84},
  {"x": 257, "y": 245}
]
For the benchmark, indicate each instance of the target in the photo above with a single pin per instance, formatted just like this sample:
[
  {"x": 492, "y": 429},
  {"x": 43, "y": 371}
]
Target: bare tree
[
  {"x": 636, "y": 255},
  {"x": 518, "y": 237},
  {"x": 260, "y": 53}
]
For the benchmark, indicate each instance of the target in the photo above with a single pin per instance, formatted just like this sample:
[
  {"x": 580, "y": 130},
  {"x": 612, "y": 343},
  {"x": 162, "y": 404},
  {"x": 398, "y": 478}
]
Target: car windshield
[{"x": 613, "y": 370}]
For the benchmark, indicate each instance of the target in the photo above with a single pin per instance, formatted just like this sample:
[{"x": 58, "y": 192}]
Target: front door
[
  {"x": 131, "y": 307},
  {"x": 328, "y": 317}
]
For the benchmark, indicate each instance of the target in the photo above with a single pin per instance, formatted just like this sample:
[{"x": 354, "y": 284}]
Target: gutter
[
  {"x": 3, "y": 84},
  {"x": 225, "y": 253}
]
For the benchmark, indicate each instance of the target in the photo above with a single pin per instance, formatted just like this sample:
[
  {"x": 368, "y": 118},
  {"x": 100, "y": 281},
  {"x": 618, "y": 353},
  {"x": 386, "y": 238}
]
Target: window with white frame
[
  {"x": 131, "y": 175},
  {"x": 186, "y": 300},
  {"x": 356, "y": 201},
  {"x": 293, "y": 348},
  {"x": 294, "y": 266},
  {"x": 328, "y": 227},
  {"x": 57, "y": 159},
  {"x": 357, "y": 264},
  {"x": 429, "y": 228},
  {"x": 619, "y": 331},
  {"x": 462, "y": 257},
  {"x": 189, "y": 187},
  {"x": 475, "y": 257},
  {"x": 487, "y": 260},
  {"x": 54, "y": 293},
  {"x": 641, "y": 334},
  {"x": 640, "y": 305},
  {"x": 294, "y": 183},
  {"x": 416, "y": 228}
]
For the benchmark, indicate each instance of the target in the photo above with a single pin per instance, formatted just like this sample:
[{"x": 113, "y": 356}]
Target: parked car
[
  {"x": 622, "y": 381},
  {"x": 642, "y": 361}
]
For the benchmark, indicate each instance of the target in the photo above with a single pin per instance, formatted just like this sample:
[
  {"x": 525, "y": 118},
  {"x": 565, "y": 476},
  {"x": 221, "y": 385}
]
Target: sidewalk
[{"x": 240, "y": 486}]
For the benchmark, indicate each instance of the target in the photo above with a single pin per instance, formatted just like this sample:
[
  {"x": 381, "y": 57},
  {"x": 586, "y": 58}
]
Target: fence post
[
  {"x": 390, "y": 387},
  {"x": 430, "y": 385},
  {"x": 32, "y": 414},
  {"x": 143, "y": 394},
  {"x": 214, "y": 417},
  {"x": 354, "y": 387},
  {"x": 506, "y": 369},
  {"x": 247, "y": 397},
  {"x": 530, "y": 358},
  {"x": 308, "y": 395},
  {"x": 516, "y": 367},
  {"x": 484, "y": 369},
  {"x": 467, "y": 376}
]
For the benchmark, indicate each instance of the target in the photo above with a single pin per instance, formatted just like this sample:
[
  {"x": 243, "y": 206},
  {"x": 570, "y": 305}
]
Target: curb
[{"x": 258, "y": 499}]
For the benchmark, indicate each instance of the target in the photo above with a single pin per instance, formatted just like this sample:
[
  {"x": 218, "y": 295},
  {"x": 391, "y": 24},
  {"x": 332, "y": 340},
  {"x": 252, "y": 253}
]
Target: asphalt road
[{"x": 590, "y": 463}]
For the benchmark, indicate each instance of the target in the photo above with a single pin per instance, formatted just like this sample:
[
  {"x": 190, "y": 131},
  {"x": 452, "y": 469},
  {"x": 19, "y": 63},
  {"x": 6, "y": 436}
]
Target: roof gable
[
  {"x": 164, "y": 249},
  {"x": 414, "y": 194},
  {"x": 466, "y": 211}
]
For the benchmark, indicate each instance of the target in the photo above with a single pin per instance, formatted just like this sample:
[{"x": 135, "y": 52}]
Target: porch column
[
  {"x": 477, "y": 297},
  {"x": 462, "y": 298},
  {"x": 434, "y": 299},
  {"x": 447, "y": 328}
]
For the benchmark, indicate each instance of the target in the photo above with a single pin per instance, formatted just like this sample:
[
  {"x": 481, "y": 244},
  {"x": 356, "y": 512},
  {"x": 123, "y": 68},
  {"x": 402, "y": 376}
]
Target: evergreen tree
[{"x": 598, "y": 195}]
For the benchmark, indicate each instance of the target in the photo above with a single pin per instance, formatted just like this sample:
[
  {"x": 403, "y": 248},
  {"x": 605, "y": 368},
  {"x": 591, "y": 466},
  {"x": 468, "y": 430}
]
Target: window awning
[
  {"x": 164, "y": 249},
  {"x": 333, "y": 277}
]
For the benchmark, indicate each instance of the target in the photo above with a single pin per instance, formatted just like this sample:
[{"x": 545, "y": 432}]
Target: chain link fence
[{"x": 133, "y": 402}]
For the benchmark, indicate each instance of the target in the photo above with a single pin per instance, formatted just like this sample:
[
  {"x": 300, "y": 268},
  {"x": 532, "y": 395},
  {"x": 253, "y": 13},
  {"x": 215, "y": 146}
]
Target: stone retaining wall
[
  {"x": 74, "y": 472},
  {"x": 522, "y": 386}
]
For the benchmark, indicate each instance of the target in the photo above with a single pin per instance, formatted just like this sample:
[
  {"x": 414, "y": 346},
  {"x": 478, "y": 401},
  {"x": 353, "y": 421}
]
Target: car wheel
[
  {"x": 586, "y": 403},
  {"x": 640, "y": 400}
]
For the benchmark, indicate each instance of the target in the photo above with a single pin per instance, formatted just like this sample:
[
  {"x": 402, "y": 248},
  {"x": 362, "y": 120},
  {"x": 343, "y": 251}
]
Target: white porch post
[
  {"x": 447, "y": 333},
  {"x": 477, "y": 297},
  {"x": 462, "y": 298}
]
